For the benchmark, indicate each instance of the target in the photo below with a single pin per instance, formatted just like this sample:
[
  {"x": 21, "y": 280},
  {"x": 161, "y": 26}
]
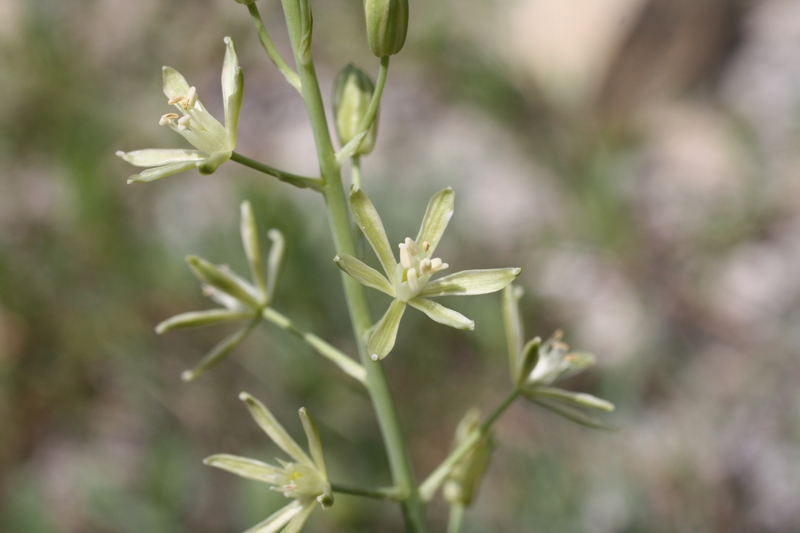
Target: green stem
[
  {"x": 379, "y": 493},
  {"x": 346, "y": 364},
  {"x": 456, "y": 517},
  {"x": 355, "y": 172},
  {"x": 431, "y": 484},
  {"x": 369, "y": 117},
  {"x": 302, "y": 182},
  {"x": 269, "y": 47},
  {"x": 399, "y": 462}
]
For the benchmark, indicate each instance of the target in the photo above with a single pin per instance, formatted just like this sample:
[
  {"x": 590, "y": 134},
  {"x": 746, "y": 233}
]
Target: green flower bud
[
  {"x": 352, "y": 93},
  {"x": 462, "y": 484},
  {"x": 387, "y": 25}
]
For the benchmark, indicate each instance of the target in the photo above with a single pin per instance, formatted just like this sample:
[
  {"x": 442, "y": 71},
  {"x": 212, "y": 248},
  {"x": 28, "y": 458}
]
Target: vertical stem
[
  {"x": 355, "y": 175},
  {"x": 456, "y": 517},
  {"x": 399, "y": 462}
]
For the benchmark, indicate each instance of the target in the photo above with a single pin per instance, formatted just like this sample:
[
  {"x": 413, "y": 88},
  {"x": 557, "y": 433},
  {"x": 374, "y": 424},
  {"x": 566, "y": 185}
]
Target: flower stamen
[
  {"x": 167, "y": 119},
  {"x": 184, "y": 122},
  {"x": 413, "y": 282},
  {"x": 176, "y": 99}
]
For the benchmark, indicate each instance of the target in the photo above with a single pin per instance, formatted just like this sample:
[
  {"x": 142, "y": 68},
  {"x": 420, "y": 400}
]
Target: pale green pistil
[{"x": 415, "y": 269}]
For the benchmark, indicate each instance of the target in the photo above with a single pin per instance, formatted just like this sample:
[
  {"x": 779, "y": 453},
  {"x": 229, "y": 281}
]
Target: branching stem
[
  {"x": 302, "y": 182},
  {"x": 269, "y": 47}
]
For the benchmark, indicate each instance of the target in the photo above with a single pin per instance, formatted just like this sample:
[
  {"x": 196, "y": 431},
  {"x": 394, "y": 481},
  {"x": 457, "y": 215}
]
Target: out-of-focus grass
[{"x": 664, "y": 240}]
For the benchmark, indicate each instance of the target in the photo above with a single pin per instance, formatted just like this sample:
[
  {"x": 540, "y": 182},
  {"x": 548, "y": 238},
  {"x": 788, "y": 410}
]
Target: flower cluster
[
  {"x": 213, "y": 141},
  {"x": 241, "y": 300},
  {"x": 409, "y": 280},
  {"x": 304, "y": 479}
]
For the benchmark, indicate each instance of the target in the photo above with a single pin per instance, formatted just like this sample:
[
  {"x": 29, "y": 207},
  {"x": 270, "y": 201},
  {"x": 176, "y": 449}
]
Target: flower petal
[
  {"x": 274, "y": 261},
  {"x": 158, "y": 157},
  {"x": 580, "y": 399},
  {"x": 440, "y": 209},
  {"x": 299, "y": 520},
  {"x": 383, "y": 337},
  {"x": 232, "y": 89},
  {"x": 370, "y": 223},
  {"x": 442, "y": 314},
  {"x": 274, "y": 429},
  {"x": 512, "y": 323},
  {"x": 471, "y": 282},
  {"x": 196, "y": 319},
  {"x": 220, "y": 351},
  {"x": 314, "y": 444},
  {"x": 528, "y": 359},
  {"x": 364, "y": 274},
  {"x": 225, "y": 281},
  {"x": 175, "y": 84},
  {"x": 252, "y": 247},
  {"x": 156, "y": 173},
  {"x": 244, "y": 467},
  {"x": 277, "y": 520},
  {"x": 571, "y": 413},
  {"x": 213, "y": 161}
]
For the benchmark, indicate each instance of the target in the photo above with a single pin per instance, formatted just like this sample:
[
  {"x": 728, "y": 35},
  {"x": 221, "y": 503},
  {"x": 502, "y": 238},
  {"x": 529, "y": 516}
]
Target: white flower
[
  {"x": 304, "y": 479},
  {"x": 213, "y": 141},
  {"x": 409, "y": 280}
]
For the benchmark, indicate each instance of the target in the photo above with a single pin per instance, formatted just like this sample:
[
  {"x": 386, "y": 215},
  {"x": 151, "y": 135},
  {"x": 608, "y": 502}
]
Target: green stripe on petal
[
  {"x": 571, "y": 413},
  {"x": 580, "y": 399},
  {"x": 274, "y": 429},
  {"x": 299, "y": 520},
  {"x": 232, "y": 89},
  {"x": 155, "y": 157},
  {"x": 219, "y": 352},
  {"x": 244, "y": 467},
  {"x": 471, "y": 282},
  {"x": 277, "y": 520},
  {"x": 512, "y": 323},
  {"x": 156, "y": 173},
  {"x": 196, "y": 319},
  {"x": 442, "y": 314},
  {"x": 224, "y": 281},
  {"x": 364, "y": 274},
  {"x": 383, "y": 337},
  {"x": 252, "y": 246},
  {"x": 274, "y": 260},
  {"x": 314, "y": 444},
  {"x": 369, "y": 221},
  {"x": 440, "y": 209}
]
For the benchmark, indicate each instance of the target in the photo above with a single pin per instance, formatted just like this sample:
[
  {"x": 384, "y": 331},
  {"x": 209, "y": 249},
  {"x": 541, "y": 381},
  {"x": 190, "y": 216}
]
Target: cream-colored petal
[
  {"x": 158, "y": 157},
  {"x": 157, "y": 173},
  {"x": 368, "y": 220},
  {"x": 471, "y": 282},
  {"x": 384, "y": 336},
  {"x": 196, "y": 319},
  {"x": 437, "y": 216},
  {"x": 275, "y": 430},
  {"x": 364, "y": 274},
  {"x": 442, "y": 314},
  {"x": 277, "y": 520}
]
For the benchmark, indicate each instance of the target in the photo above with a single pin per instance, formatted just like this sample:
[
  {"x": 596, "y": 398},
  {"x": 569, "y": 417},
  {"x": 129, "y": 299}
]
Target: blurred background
[{"x": 637, "y": 158}]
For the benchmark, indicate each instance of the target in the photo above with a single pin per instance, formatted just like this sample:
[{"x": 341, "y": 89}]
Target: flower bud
[
  {"x": 352, "y": 92},
  {"x": 462, "y": 484},
  {"x": 387, "y": 25}
]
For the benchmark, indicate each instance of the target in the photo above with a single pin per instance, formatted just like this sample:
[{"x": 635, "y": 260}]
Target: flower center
[
  {"x": 195, "y": 123},
  {"x": 415, "y": 268}
]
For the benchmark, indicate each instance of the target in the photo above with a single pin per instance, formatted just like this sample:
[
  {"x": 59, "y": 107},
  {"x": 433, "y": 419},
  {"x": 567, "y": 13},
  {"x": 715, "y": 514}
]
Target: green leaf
[
  {"x": 196, "y": 319},
  {"x": 442, "y": 314},
  {"x": 232, "y": 89},
  {"x": 277, "y": 520},
  {"x": 471, "y": 282},
  {"x": 252, "y": 247},
  {"x": 437, "y": 216},
  {"x": 274, "y": 429},
  {"x": 367, "y": 218},
  {"x": 224, "y": 281},
  {"x": 219, "y": 352},
  {"x": 570, "y": 413},
  {"x": 364, "y": 274},
  {"x": 244, "y": 467},
  {"x": 383, "y": 337},
  {"x": 155, "y": 157}
]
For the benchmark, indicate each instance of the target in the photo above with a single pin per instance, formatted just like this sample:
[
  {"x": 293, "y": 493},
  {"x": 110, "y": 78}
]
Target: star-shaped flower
[
  {"x": 305, "y": 479},
  {"x": 214, "y": 142},
  {"x": 409, "y": 280}
]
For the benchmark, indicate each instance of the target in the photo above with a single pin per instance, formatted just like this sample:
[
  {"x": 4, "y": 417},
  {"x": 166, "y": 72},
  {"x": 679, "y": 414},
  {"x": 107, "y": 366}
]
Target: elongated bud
[
  {"x": 462, "y": 484},
  {"x": 352, "y": 92},
  {"x": 387, "y": 25}
]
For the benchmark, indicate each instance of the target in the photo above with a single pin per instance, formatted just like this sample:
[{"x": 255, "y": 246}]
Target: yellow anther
[
  {"x": 183, "y": 122},
  {"x": 405, "y": 256},
  {"x": 167, "y": 118},
  {"x": 412, "y": 246},
  {"x": 413, "y": 282},
  {"x": 191, "y": 98},
  {"x": 426, "y": 246},
  {"x": 176, "y": 99}
]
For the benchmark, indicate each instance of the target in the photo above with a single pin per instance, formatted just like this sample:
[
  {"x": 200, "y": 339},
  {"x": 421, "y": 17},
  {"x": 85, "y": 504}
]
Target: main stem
[{"x": 399, "y": 462}]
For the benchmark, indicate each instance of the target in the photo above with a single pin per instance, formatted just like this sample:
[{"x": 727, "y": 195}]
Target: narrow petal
[
  {"x": 577, "y": 362},
  {"x": 580, "y": 399},
  {"x": 275, "y": 260},
  {"x": 364, "y": 274},
  {"x": 175, "y": 84},
  {"x": 196, "y": 319},
  {"x": 156, "y": 173},
  {"x": 252, "y": 247},
  {"x": 314, "y": 444},
  {"x": 528, "y": 359},
  {"x": 232, "y": 89},
  {"x": 382, "y": 339},
  {"x": 471, "y": 282},
  {"x": 219, "y": 352},
  {"x": 440, "y": 209},
  {"x": 224, "y": 281},
  {"x": 370, "y": 223},
  {"x": 512, "y": 323},
  {"x": 158, "y": 157},
  {"x": 570, "y": 413},
  {"x": 244, "y": 467},
  {"x": 299, "y": 520},
  {"x": 442, "y": 314},
  {"x": 274, "y": 429},
  {"x": 277, "y": 520}
]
